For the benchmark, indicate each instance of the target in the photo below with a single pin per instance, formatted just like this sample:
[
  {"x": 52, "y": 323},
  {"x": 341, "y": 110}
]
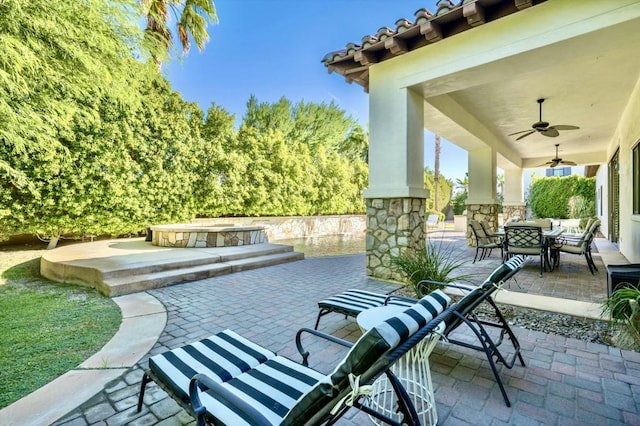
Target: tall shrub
[{"x": 549, "y": 196}]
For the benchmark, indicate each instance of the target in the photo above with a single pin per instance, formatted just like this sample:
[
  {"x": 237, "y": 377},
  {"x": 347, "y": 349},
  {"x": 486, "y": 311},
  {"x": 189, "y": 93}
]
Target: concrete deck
[
  {"x": 566, "y": 381},
  {"x": 124, "y": 266}
]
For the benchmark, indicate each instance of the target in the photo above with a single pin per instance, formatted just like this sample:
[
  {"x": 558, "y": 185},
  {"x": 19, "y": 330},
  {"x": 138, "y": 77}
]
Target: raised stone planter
[{"x": 197, "y": 236}]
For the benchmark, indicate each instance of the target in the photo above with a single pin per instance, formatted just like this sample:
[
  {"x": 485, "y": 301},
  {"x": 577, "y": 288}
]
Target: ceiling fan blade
[
  {"x": 550, "y": 132},
  {"x": 545, "y": 164},
  {"x": 568, "y": 163},
  {"x": 517, "y": 133},
  {"x": 526, "y": 134},
  {"x": 564, "y": 127}
]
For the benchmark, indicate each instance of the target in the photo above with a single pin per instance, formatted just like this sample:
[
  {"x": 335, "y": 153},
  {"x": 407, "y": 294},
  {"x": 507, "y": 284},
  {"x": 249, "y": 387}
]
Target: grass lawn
[{"x": 47, "y": 328}]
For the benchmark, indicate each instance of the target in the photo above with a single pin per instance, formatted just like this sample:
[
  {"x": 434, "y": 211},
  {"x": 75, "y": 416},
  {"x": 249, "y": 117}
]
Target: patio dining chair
[
  {"x": 229, "y": 380},
  {"x": 484, "y": 243},
  {"x": 580, "y": 246},
  {"x": 523, "y": 239}
]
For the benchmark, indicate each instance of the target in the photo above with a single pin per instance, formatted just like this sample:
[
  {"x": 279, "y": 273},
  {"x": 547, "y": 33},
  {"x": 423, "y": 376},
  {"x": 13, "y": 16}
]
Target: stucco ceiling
[{"x": 586, "y": 81}]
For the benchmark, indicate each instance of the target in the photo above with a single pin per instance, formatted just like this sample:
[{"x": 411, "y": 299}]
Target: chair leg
[
  {"x": 474, "y": 257},
  {"x": 591, "y": 259},
  {"x": 590, "y": 263},
  {"x": 145, "y": 380},
  {"x": 542, "y": 265}
]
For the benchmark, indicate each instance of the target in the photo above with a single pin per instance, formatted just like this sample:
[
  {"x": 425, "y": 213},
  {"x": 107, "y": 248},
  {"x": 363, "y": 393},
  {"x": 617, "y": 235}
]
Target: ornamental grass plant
[
  {"x": 623, "y": 307},
  {"x": 438, "y": 261}
]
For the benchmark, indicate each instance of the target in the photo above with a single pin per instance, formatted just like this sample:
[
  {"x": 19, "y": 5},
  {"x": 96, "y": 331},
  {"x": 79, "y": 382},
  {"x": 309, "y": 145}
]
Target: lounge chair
[
  {"x": 463, "y": 314},
  {"x": 227, "y": 379}
]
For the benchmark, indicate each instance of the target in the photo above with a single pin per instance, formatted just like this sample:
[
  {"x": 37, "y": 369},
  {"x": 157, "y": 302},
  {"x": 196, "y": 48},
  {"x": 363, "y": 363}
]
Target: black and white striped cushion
[
  {"x": 272, "y": 384},
  {"x": 354, "y": 301},
  {"x": 506, "y": 270},
  {"x": 371, "y": 346}
]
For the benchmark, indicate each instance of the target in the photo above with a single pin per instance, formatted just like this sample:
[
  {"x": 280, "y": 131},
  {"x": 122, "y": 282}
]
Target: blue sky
[{"x": 273, "y": 48}]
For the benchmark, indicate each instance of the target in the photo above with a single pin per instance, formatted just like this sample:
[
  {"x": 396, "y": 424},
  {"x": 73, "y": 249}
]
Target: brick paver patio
[{"x": 566, "y": 381}]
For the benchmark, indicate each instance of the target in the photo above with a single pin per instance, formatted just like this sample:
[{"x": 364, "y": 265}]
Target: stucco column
[
  {"x": 396, "y": 195},
  {"x": 482, "y": 203},
  {"x": 513, "y": 204}
]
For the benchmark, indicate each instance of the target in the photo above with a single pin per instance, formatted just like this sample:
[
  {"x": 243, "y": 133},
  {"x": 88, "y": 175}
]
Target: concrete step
[
  {"x": 117, "y": 267},
  {"x": 116, "y": 286},
  {"x": 135, "y": 283},
  {"x": 179, "y": 260},
  {"x": 262, "y": 261},
  {"x": 147, "y": 267}
]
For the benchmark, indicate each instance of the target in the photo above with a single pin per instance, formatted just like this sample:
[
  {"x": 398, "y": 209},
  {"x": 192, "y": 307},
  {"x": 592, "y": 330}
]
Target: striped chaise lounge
[
  {"x": 352, "y": 302},
  {"x": 229, "y": 380}
]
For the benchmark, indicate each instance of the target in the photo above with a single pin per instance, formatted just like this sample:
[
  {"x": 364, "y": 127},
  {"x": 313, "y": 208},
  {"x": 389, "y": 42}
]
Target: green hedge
[{"x": 563, "y": 197}]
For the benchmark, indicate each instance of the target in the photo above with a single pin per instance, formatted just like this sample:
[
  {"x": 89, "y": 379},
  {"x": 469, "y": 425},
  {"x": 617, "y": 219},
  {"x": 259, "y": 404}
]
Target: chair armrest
[
  {"x": 400, "y": 298},
  {"x": 451, "y": 285},
  {"x": 569, "y": 240},
  {"x": 329, "y": 337},
  {"x": 205, "y": 383}
]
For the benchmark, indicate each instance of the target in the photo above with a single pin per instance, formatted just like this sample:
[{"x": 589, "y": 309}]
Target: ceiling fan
[
  {"x": 555, "y": 161},
  {"x": 543, "y": 127}
]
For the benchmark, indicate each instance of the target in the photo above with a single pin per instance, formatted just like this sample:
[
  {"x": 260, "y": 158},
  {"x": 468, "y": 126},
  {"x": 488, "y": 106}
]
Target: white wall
[{"x": 626, "y": 136}]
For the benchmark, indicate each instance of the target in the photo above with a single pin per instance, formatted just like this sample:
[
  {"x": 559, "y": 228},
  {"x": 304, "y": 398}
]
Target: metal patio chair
[
  {"x": 229, "y": 380},
  {"x": 580, "y": 246},
  {"x": 484, "y": 243},
  {"x": 525, "y": 240}
]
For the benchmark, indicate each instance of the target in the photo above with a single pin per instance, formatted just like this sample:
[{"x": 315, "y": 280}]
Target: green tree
[
  {"x": 50, "y": 56},
  {"x": 445, "y": 187},
  {"x": 191, "y": 17}
]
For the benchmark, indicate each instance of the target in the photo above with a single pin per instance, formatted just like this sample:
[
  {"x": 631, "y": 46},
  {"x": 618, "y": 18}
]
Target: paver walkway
[{"x": 565, "y": 382}]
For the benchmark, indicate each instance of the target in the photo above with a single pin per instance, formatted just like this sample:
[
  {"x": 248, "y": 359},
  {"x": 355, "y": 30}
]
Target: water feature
[{"x": 327, "y": 245}]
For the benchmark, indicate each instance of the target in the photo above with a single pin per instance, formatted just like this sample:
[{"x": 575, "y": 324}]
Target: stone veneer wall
[
  {"x": 200, "y": 238},
  {"x": 488, "y": 212},
  {"x": 280, "y": 228},
  {"x": 393, "y": 226},
  {"x": 513, "y": 211}
]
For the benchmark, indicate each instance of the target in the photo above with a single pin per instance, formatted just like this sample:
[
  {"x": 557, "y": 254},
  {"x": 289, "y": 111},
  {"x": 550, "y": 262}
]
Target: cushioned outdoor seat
[
  {"x": 227, "y": 379},
  {"x": 353, "y": 301}
]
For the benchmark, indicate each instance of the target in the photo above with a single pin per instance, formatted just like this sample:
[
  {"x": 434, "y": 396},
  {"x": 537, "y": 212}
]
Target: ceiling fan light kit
[{"x": 543, "y": 127}]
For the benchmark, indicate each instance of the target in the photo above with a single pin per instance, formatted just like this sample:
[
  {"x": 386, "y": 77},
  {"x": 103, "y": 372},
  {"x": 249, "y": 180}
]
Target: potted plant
[
  {"x": 436, "y": 262},
  {"x": 623, "y": 309}
]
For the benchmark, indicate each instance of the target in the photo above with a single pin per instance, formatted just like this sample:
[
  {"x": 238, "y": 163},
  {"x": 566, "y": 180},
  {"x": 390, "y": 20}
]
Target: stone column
[
  {"x": 482, "y": 203},
  {"x": 396, "y": 195},
  {"x": 393, "y": 226}
]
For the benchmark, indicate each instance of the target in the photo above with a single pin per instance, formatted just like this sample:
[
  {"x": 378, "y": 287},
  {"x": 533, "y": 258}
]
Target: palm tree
[
  {"x": 437, "y": 171},
  {"x": 191, "y": 16}
]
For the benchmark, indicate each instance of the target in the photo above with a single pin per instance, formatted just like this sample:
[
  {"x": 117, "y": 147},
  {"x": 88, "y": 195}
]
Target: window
[
  {"x": 559, "y": 171},
  {"x": 636, "y": 178}
]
